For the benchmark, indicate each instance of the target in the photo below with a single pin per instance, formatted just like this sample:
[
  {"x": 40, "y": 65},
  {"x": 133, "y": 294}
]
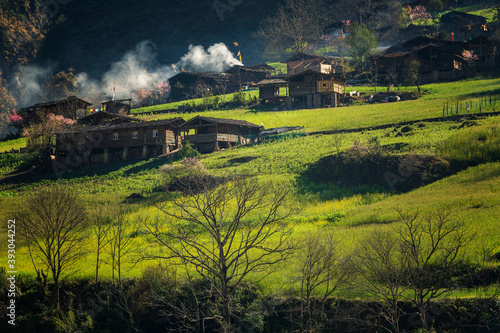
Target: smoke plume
[
  {"x": 137, "y": 69},
  {"x": 216, "y": 58}
]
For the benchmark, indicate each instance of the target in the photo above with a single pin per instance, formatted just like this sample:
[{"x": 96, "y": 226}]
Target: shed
[
  {"x": 269, "y": 90},
  {"x": 210, "y": 134}
]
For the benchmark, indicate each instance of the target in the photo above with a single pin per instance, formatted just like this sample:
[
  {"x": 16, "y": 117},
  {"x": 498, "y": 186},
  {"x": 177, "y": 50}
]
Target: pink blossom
[
  {"x": 14, "y": 117},
  {"x": 141, "y": 94},
  {"x": 419, "y": 13},
  {"x": 163, "y": 86},
  {"x": 469, "y": 56}
]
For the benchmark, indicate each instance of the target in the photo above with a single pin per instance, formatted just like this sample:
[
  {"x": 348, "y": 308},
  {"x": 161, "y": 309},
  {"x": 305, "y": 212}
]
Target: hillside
[{"x": 348, "y": 173}]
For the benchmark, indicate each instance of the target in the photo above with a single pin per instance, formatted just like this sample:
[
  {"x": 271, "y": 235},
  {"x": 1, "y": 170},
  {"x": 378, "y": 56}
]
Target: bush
[
  {"x": 188, "y": 151},
  {"x": 239, "y": 98},
  {"x": 185, "y": 175},
  {"x": 368, "y": 164}
]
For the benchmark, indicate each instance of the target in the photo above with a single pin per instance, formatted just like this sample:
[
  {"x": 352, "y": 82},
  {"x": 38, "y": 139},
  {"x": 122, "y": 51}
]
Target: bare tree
[
  {"x": 101, "y": 224},
  {"x": 52, "y": 223},
  {"x": 225, "y": 230},
  {"x": 320, "y": 266},
  {"x": 294, "y": 24},
  {"x": 434, "y": 249},
  {"x": 120, "y": 242},
  {"x": 380, "y": 264}
]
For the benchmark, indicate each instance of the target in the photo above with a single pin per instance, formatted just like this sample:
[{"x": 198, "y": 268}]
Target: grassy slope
[
  {"x": 472, "y": 194},
  {"x": 12, "y": 144},
  {"x": 431, "y": 105}
]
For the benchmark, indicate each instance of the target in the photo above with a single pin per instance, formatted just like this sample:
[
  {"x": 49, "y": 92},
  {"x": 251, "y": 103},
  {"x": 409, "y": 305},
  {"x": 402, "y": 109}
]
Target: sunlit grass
[{"x": 350, "y": 213}]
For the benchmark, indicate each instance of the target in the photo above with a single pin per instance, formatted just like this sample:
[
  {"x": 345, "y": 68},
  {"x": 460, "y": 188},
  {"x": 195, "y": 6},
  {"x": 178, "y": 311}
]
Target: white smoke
[
  {"x": 216, "y": 58},
  {"x": 137, "y": 69},
  {"x": 28, "y": 83}
]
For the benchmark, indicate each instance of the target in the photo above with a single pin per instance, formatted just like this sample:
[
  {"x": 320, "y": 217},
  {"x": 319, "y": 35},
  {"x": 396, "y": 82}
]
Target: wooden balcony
[{"x": 212, "y": 137}]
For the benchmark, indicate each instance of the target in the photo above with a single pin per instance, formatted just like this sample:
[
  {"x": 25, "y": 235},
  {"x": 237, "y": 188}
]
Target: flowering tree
[
  {"x": 14, "y": 118},
  {"x": 419, "y": 13},
  {"x": 163, "y": 87},
  {"x": 469, "y": 56},
  {"x": 40, "y": 134},
  {"x": 346, "y": 24},
  {"x": 141, "y": 94}
]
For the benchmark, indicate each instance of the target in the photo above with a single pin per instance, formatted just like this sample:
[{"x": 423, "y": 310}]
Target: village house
[
  {"x": 463, "y": 25},
  {"x": 301, "y": 62},
  {"x": 71, "y": 107},
  {"x": 115, "y": 141},
  {"x": 187, "y": 85},
  {"x": 245, "y": 76},
  {"x": 439, "y": 60},
  {"x": 487, "y": 52},
  {"x": 120, "y": 106},
  {"x": 211, "y": 134},
  {"x": 312, "y": 89}
]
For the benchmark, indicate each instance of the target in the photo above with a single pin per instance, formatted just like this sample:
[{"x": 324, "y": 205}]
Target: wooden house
[
  {"x": 458, "y": 22},
  {"x": 436, "y": 64},
  {"x": 311, "y": 89},
  {"x": 121, "y": 106},
  {"x": 211, "y": 134},
  {"x": 71, "y": 107},
  {"x": 104, "y": 117},
  {"x": 487, "y": 51},
  {"x": 419, "y": 42},
  {"x": 241, "y": 76},
  {"x": 83, "y": 145},
  {"x": 301, "y": 62},
  {"x": 187, "y": 85},
  {"x": 271, "y": 92}
]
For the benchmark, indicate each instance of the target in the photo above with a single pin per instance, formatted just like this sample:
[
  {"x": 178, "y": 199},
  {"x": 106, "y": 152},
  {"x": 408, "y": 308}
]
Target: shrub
[
  {"x": 188, "y": 151},
  {"x": 185, "y": 175}
]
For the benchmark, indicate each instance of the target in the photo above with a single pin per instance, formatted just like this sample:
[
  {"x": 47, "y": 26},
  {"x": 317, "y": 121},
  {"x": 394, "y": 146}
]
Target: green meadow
[{"x": 470, "y": 191}]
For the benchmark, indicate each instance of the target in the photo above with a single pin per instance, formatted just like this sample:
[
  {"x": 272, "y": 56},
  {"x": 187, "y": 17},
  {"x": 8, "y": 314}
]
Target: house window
[
  {"x": 115, "y": 136},
  {"x": 135, "y": 135},
  {"x": 155, "y": 133}
]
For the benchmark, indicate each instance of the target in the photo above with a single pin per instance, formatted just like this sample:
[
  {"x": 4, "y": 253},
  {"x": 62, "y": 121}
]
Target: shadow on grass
[{"x": 47, "y": 172}]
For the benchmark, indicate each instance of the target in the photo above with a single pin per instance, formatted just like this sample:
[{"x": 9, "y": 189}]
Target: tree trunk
[{"x": 97, "y": 262}]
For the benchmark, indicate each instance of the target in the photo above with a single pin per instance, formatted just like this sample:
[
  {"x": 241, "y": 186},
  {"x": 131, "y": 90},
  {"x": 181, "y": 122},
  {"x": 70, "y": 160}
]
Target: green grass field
[{"x": 349, "y": 212}]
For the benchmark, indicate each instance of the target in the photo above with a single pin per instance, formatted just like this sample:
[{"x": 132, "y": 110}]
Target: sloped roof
[
  {"x": 271, "y": 81},
  {"x": 104, "y": 115},
  {"x": 422, "y": 41},
  {"x": 451, "y": 16},
  {"x": 306, "y": 56},
  {"x": 311, "y": 72},
  {"x": 220, "y": 121},
  {"x": 76, "y": 129},
  {"x": 256, "y": 69},
  {"x": 71, "y": 100}
]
